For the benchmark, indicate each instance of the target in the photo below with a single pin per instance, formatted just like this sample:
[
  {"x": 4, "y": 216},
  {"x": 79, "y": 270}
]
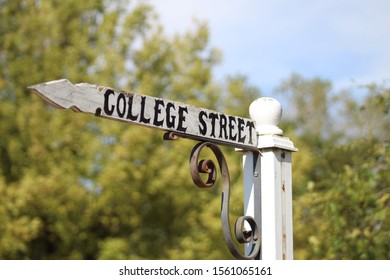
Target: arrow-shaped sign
[{"x": 182, "y": 119}]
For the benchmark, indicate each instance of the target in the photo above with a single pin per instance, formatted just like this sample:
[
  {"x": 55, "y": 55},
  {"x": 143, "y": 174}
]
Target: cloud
[{"x": 267, "y": 40}]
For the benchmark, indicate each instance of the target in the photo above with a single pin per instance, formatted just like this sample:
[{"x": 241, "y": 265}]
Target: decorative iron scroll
[{"x": 208, "y": 167}]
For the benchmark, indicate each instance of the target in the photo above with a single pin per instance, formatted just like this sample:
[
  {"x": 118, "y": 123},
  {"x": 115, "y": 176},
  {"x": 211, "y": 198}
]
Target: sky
[{"x": 344, "y": 41}]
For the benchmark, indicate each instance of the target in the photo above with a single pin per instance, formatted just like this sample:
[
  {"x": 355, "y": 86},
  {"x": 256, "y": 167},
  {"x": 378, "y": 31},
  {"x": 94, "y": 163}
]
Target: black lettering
[
  {"x": 251, "y": 126},
  {"x": 130, "y": 115},
  {"x": 222, "y": 126},
  {"x": 143, "y": 118},
  {"x": 213, "y": 117},
  {"x": 121, "y": 105},
  {"x": 202, "y": 125},
  {"x": 231, "y": 128},
  {"x": 182, "y": 119},
  {"x": 107, "y": 110},
  {"x": 241, "y": 123},
  {"x": 170, "y": 120},
  {"x": 157, "y": 111}
]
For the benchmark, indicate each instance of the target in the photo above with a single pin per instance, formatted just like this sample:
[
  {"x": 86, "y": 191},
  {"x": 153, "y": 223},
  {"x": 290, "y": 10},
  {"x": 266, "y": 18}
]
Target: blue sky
[{"x": 345, "y": 41}]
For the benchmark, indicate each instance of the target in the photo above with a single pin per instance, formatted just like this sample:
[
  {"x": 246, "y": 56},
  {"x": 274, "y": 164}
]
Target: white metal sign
[{"x": 185, "y": 120}]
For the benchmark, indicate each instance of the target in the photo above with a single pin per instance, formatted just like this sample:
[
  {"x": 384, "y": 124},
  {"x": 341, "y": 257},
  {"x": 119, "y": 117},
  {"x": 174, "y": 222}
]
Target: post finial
[{"x": 266, "y": 112}]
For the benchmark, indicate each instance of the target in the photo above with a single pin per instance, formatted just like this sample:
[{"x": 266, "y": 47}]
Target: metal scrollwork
[{"x": 208, "y": 167}]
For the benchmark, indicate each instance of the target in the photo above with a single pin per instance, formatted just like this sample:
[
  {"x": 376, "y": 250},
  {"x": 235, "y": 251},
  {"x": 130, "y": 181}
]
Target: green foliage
[
  {"x": 341, "y": 182},
  {"x": 77, "y": 187},
  {"x": 349, "y": 210}
]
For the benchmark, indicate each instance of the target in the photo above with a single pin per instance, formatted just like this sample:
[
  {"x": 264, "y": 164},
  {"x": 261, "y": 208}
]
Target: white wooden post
[{"x": 267, "y": 182}]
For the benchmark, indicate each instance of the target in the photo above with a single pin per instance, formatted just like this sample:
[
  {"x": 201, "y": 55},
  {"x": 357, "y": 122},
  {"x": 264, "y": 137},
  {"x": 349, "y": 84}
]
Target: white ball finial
[{"x": 266, "y": 112}]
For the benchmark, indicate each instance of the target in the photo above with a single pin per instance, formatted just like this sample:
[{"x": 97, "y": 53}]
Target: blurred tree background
[{"x": 79, "y": 187}]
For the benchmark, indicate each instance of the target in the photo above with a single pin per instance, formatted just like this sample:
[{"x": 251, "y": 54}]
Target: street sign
[
  {"x": 181, "y": 119},
  {"x": 267, "y": 178}
]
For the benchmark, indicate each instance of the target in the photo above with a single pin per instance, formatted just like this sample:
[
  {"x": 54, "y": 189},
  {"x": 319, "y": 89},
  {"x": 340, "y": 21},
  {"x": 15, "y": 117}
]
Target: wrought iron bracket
[{"x": 207, "y": 166}]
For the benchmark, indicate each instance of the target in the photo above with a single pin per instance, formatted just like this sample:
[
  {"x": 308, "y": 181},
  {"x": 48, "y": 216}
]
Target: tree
[
  {"x": 78, "y": 187},
  {"x": 308, "y": 101},
  {"x": 348, "y": 211},
  {"x": 42, "y": 165},
  {"x": 340, "y": 181}
]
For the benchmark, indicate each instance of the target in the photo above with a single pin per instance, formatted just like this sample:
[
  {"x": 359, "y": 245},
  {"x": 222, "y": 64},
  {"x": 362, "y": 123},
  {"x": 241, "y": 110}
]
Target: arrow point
[{"x": 53, "y": 92}]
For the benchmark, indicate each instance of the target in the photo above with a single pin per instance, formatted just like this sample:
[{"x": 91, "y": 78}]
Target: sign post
[
  {"x": 267, "y": 156},
  {"x": 267, "y": 181}
]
